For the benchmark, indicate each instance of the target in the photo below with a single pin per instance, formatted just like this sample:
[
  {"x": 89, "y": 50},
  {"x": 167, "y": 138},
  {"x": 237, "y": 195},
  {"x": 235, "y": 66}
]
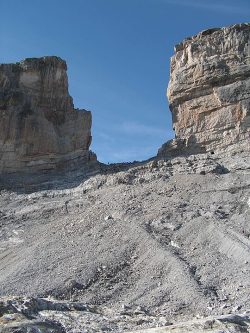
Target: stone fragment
[{"x": 108, "y": 217}]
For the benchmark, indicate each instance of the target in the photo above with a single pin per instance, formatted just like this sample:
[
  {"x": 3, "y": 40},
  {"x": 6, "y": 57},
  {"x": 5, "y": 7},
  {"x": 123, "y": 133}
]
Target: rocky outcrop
[
  {"x": 41, "y": 315},
  {"x": 209, "y": 90},
  {"x": 39, "y": 127},
  {"x": 226, "y": 323}
]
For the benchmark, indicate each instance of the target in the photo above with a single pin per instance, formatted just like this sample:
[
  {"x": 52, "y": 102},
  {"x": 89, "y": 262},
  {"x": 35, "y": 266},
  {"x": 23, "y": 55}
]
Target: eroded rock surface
[
  {"x": 38, "y": 315},
  {"x": 220, "y": 324},
  {"x": 39, "y": 127},
  {"x": 209, "y": 90}
]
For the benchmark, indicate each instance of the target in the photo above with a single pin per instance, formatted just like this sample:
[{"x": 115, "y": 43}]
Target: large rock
[
  {"x": 219, "y": 324},
  {"x": 39, "y": 127},
  {"x": 209, "y": 90}
]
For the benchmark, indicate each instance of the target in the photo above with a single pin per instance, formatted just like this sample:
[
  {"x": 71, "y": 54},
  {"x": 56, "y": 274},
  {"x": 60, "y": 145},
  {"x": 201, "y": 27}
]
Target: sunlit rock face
[
  {"x": 39, "y": 127},
  {"x": 209, "y": 89}
]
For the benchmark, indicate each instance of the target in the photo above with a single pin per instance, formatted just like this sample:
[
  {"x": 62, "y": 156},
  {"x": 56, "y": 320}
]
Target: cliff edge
[
  {"x": 39, "y": 127},
  {"x": 209, "y": 91}
]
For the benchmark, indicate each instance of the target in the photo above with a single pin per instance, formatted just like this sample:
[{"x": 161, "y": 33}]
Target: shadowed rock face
[
  {"x": 39, "y": 127},
  {"x": 209, "y": 89}
]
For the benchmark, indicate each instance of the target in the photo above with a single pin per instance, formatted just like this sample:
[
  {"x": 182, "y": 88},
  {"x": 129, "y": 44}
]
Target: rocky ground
[
  {"x": 129, "y": 247},
  {"x": 37, "y": 315}
]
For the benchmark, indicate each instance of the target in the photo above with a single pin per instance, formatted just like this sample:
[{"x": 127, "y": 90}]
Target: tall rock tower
[
  {"x": 209, "y": 90},
  {"x": 39, "y": 127}
]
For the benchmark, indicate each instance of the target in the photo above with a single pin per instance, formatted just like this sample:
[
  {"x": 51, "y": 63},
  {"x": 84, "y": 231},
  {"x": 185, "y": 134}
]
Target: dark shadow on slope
[{"x": 60, "y": 179}]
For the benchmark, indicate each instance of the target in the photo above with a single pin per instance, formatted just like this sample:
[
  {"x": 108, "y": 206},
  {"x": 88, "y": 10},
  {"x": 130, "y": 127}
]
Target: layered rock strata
[
  {"x": 209, "y": 90},
  {"x": 39, "y": 127}
]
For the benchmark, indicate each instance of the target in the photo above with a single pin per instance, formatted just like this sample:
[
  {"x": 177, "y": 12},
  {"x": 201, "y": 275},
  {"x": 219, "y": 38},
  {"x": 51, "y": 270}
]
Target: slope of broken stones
[{"x": 142, "y": 244}]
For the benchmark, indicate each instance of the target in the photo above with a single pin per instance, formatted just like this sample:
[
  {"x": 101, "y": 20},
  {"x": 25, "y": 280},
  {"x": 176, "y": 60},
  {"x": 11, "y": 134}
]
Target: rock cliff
[
  {"x": 163, "y": 243},
  {"x": 39, "y": 127},
  {"x": 209, "y": 90}
]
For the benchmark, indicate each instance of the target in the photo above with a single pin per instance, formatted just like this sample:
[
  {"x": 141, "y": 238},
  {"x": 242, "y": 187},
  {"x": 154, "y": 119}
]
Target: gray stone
[
  {"x": 209, "y": 93},
  {"x": 39, "y": 127}
]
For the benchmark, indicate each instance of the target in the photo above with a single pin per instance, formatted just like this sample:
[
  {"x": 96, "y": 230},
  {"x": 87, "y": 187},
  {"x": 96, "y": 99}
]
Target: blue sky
[{"x": 118, "y": 54}]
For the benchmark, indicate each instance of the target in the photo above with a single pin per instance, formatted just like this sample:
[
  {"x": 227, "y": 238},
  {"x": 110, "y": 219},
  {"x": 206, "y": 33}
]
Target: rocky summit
[
  {"x": 39, "y": 127},
  {"x": 161, "y": 245}
]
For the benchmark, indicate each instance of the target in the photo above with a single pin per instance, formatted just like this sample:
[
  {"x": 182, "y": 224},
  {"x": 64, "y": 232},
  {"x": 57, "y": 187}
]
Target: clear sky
[{"x": 118, "y": 54}]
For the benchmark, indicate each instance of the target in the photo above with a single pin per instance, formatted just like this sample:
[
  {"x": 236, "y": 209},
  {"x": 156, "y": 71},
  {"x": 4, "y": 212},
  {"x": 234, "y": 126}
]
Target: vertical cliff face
[
  {"x": 39, "y": 127},
  {"x": 209, "y": 89}
]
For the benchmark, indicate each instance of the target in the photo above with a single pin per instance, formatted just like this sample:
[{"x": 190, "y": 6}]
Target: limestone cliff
[
  {"x": 209, "y": 90},
  {"x": 39, "y": 127}
]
